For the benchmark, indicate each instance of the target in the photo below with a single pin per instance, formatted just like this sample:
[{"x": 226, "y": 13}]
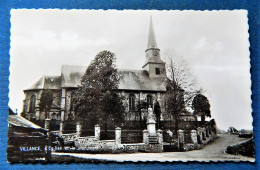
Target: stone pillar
[
  {"x": 160, "y": 139},
  {"x": 194, "y": 137},
  {"x": 118, "y": 135},
  {"x": 47, "y": 124},
  {"x": 160, "y": 135},
  {"x": 151, "y": 128},
  {"x": 63, "y": 103},
  {"x": 79, "y": 129},
  {"x": 61, "y": 127},
  {"x": 201, "y": 136},
  {"x": 145, "y": 136},
  {"x": 37, "y": 114},
  {"x": 180, "y": 140},
  {"x": 47, "y": 127},
  {"x": 204, "y": 134},
  {"x": 207, "y": 132},
  {"x": 97, "y": 132},
  {"x": 151, "y": 122},
  {"x": 214, "y": 129}
]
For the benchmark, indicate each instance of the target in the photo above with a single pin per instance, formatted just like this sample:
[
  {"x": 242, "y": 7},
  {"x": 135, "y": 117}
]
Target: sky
[{"x": 214, "y": 43}]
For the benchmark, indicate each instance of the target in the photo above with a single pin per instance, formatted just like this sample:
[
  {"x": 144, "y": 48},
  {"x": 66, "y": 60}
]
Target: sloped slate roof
[
  {"x": 22, "y": 122},
  {"x": 47, "y": 82},
  {"x": 71, "y": 75},
  {"x": 139, "y": 80},
  {"x": 129, "y": 80}
]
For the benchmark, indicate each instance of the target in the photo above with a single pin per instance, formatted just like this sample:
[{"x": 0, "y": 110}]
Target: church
[{"x": 147, "y": 84}]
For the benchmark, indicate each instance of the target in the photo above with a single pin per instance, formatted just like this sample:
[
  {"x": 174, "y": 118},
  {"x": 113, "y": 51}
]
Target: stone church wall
[
  {"x": 139, "y": 97},
  {"x": 26, "y": 102},
  {"x": 36, "y": 114}
]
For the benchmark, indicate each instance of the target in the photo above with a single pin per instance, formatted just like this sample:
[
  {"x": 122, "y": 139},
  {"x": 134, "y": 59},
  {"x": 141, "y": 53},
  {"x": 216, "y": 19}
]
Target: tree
[
  {"x": 46, "y": 102},
  {"x": 96, "y": 98},
  {"x": 157, "y": 112},
  {"x": 140, "y": 106},
  {"x": 180, "y": 87},
  {"x": 201, "y": 106}
]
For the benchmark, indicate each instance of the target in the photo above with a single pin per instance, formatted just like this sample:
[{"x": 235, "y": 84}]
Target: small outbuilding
[{"x": 26, "y": 141}]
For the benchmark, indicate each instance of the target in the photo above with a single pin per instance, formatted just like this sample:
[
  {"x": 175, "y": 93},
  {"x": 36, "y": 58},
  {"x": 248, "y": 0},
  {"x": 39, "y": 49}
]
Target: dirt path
[{"x": 211, "y": 152}]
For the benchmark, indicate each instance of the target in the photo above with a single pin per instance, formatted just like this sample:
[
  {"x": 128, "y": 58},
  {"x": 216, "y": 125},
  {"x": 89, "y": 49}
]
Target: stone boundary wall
[
  {"x": 153, "y": 141},
  {"x": 197, "y": 139}
]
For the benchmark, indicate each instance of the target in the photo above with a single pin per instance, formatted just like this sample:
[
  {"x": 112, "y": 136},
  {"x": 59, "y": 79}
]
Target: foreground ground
[{"x": 214, "y": 151}]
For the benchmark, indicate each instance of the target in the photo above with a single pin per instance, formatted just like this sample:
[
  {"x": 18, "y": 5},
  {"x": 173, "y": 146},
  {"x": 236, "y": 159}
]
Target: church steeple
[
  {"x": 151, "y": 37},
  {"x": 153, "y": 63}
]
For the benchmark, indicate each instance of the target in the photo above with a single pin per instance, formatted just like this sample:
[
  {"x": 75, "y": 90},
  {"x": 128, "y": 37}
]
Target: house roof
[
  {"x": 47, "y": 82},
  {"x": 22, "y": 122}
]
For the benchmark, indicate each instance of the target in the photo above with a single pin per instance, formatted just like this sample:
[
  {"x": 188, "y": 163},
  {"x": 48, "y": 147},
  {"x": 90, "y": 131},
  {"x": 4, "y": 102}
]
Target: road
[{"x": 214, "y": 151}]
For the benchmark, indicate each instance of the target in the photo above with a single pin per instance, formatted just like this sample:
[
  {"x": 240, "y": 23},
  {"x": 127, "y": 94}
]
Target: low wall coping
[
  {"x": 107, "y": 140},
  {"x": 84, "y": 137},
  {"x": 133, "y": 144},
  {"x": 68, "y": 134}
]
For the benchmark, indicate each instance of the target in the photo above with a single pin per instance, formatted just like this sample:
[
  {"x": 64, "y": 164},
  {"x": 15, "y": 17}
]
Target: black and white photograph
[{"x": 129, "y": 85}]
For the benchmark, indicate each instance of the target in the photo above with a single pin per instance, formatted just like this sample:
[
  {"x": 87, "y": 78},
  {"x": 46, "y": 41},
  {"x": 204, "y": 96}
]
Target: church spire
[
  {"x": 151, "y": 37},
  {"x": 153, "y": 63},
  {"x": 152, "y": 51}
]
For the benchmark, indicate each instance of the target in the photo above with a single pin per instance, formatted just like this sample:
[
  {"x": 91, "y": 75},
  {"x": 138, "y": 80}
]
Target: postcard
[{"x": 129, "y": 85}]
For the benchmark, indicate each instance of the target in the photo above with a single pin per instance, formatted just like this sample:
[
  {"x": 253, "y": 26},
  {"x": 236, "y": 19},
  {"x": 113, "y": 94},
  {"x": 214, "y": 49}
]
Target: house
[{"x": 26, "y": 140}]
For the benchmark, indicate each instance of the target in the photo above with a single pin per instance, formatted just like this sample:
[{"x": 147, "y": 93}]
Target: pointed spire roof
[
  {"x": 152, "y": 51},
  {"x": 151, "y": 37}
]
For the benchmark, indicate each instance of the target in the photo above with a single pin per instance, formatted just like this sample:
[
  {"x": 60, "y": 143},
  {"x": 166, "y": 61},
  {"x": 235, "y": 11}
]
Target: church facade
[{"x": 147, "y": 84}]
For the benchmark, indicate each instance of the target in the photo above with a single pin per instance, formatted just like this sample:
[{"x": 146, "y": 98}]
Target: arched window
[
  {"x": 32, "y": 104},
  {"x": 149, "y": 100},
  {"x": 58, "y": 116},
  {"x": 53, "y": 116},
  {"x": 71, "y": 107},
  {"x": 131, "y": 102},
  {"x": 71, "y": 104},
  {"x": 70, "y": 116}
]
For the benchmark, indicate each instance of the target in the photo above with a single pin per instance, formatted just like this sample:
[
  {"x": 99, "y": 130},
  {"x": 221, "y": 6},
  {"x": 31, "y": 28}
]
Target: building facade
[{"x": 135, "y": 86}]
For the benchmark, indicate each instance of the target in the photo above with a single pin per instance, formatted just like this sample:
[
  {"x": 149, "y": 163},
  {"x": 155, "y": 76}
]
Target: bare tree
[{"x": 181, "y": 87}]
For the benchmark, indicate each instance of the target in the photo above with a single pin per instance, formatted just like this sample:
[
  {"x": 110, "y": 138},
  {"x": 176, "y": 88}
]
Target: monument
[
  {"x": 151, "y": 122},
  {"x": 153, "y": 139}
]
